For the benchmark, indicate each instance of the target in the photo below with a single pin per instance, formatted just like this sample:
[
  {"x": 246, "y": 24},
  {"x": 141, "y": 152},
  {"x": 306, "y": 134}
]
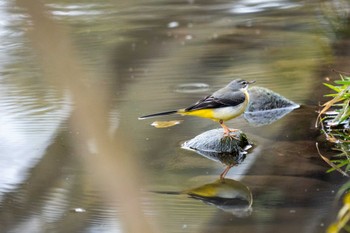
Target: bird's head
[{"x": 239, "y": 84}]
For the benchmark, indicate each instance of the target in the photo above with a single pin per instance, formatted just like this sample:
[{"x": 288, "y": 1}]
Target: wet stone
[
  {"x": 266, "y": 106},
  {"x": 212, "y": 144}
]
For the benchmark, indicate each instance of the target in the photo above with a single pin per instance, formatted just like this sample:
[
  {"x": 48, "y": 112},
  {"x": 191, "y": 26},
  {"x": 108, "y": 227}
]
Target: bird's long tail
[{"x": 158, "y": 114}]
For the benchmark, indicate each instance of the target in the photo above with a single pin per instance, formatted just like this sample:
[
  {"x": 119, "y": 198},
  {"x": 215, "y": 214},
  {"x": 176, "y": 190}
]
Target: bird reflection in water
[{"x": 228, "y": 195}]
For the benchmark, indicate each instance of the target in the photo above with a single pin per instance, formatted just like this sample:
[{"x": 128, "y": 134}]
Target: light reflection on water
[
  {"x": 159, "y": 56},
  {"x": 80, "y": 11},
  {"x": 254, "y": 6},
  {"x": 26, "y": 131}
]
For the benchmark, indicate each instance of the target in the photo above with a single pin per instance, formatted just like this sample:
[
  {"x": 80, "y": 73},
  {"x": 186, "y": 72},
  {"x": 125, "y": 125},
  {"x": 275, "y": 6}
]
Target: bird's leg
[
  {"x": 224, "y": 173},
  {"x": 227, "y": 130}
]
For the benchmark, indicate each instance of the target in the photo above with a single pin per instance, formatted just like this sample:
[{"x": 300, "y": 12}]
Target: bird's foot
[{"x": 228, "y": 131}]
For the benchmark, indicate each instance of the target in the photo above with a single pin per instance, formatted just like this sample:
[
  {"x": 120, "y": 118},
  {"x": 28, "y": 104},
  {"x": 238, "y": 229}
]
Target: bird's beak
[{"x": 251, "y": 82}]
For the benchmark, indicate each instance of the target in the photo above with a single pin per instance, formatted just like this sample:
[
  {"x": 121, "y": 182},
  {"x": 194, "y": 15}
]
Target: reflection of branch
[
  {"x": 330, "y": 162},
  {"x": 113, "y": 168}
]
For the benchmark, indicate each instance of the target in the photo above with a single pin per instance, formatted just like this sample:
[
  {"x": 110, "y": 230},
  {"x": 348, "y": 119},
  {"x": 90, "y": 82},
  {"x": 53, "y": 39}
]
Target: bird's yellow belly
[
  {"x": 204, "y": 113},
  {"x": 217, "y": 114}
]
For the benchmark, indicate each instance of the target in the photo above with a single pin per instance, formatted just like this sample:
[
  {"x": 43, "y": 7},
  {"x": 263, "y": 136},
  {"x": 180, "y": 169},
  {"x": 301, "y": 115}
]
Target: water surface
[{"x": 157, "y": 56}]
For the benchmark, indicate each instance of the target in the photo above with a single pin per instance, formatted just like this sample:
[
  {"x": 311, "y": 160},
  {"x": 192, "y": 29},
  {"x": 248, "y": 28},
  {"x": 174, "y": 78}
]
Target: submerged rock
[{"x": 266, "y": 106}]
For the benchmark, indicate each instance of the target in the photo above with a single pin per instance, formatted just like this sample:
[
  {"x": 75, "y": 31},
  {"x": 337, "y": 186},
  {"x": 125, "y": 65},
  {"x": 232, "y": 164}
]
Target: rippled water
[{"x": 158, "y": 56}]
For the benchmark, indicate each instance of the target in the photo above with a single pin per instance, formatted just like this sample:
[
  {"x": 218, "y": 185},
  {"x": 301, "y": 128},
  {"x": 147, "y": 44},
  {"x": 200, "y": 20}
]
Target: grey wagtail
[{"x": 223, "y": 105}]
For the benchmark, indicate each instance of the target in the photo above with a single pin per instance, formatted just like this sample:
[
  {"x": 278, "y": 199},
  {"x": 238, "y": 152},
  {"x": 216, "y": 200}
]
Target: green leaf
[
  {"x": 347, "y": 167},
  {"x": 331, "y": 95},
  {"x": 345, "y": 115},
  {"x": 342, "y": 82},
  {"x": 338, "y": 166},
  {"x": 337, "y": 89}
]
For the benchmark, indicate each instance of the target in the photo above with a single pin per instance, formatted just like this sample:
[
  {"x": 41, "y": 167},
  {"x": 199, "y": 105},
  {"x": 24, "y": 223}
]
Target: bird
[{"x": 224, "y": 104}]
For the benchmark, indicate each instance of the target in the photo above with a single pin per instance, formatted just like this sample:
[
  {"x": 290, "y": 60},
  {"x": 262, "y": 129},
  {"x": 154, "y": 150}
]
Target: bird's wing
[{"x": 213, "y": 101}]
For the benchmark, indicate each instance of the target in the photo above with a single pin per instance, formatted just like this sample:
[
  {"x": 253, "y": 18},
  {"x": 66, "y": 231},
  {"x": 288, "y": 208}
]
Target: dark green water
[{"x": 146, "y": 51}]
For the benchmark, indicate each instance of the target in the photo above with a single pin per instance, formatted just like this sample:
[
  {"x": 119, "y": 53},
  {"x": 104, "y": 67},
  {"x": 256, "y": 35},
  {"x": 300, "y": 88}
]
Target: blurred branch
[{"x": 113, "y": 168}]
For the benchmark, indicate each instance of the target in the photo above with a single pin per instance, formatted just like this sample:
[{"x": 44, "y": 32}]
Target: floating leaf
[
  {"x": 266, "y": 106},
  {"x": 166, "y": 124}
]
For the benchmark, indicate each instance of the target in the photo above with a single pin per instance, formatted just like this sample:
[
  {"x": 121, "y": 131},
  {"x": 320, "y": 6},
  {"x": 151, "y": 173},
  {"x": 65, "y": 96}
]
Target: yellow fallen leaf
[{"x": 166, "y": 124}]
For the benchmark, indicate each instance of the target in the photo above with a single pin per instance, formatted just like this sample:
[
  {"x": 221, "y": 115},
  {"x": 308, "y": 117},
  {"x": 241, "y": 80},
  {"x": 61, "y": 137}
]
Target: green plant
[
  {"x": 340, "y": 102},
  {"x": 334, "y": 120}
]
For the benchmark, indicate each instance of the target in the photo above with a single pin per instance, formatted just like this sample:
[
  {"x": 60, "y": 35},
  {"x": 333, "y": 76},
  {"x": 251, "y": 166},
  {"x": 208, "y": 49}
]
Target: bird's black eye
[{"x": 244, "y": 82}]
